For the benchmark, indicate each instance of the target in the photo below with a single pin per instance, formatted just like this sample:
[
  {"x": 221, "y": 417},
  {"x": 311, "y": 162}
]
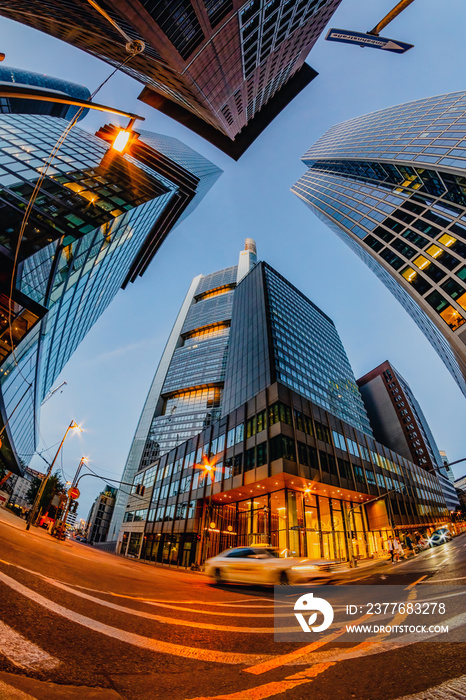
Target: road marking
[
  {"x": 23, "y": 653},
  {"x": 160, "y": 602},
  {"x": 275, "y": 687},
  {"x": 411, "y": 585},
  {"x": 450, "y": 690},
  {"x": 159, "y": 618},
  {"x": 444, "y": 580},
  {"x": 283, "y": 659},
  {"x": 130, "y": 637}
]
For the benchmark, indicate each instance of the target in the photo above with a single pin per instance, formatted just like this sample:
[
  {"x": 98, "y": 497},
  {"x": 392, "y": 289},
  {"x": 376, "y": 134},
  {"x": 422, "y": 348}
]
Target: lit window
[
  {"x": 409, "y": 274},
  {"x": 452, "y": 317},
  {"x": 434, "y": 251},
  {"x": 447, "y": 240},
  {"x": 421, "y": 262}
]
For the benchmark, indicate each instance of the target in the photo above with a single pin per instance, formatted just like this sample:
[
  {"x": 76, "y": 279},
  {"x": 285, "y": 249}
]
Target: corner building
[
  {"x": 294, "y": 455},
  {"x": 399, "y": 422},
  {"x": 223, "y": 68},
  {"x": 391, "y": 185},
  {"x": 96, "y": 224}
]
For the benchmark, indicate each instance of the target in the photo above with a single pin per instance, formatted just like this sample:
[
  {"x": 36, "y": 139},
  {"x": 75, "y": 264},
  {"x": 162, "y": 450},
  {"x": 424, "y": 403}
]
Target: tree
[
  {"x": 53, "y": 487},
  {"x": 31, "y": 493}
]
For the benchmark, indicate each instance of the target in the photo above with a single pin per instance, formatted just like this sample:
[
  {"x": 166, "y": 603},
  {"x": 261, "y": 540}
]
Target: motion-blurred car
[
  {"x": 263, "y": 565},
  {"x": 440, "y": 536}
]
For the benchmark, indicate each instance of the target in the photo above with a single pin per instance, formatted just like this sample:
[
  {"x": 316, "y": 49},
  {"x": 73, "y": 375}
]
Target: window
[
  {"x": 339, "y": 440},
  {"x": 250, "y": 459},
  {"x": 323, "y": 433},
  {"x": 261, "y": 454},
  {"x": 282, "y": 446},
  {"x": 302, "y": 454}
]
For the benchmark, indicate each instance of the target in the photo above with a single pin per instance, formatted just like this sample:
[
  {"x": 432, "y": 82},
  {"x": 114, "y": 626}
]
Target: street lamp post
[
  {"x": 32, "y": 513},
  {"x": 69, "y": 500}
]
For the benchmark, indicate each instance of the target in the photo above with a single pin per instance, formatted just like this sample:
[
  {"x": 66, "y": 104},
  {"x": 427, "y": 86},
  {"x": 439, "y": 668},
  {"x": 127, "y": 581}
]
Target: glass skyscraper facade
[
  {"x": 391, "y": 184},
  {"x": 278, "y": 334},
  {"x": 22, "y": 79},
  {"x": 187, "y": 390},
  {"x": 290, "y": 441},
  {"x": 224, "y": 69},
  {"x": 96, "y": 213}
]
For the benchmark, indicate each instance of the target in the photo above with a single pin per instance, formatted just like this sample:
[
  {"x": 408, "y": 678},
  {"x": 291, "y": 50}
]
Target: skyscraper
[
  {"x": 224, "y": 68},
  {"x": 23, "y": 81},
  {"x": 290, "y": 453},
  {"x": 391, "y": 185},
  {"x": 97, "y": 222},
  {"x": 187, "y": 388},
  {"x": 399, "y": 422},
  {"x": 239, "y": 330}
]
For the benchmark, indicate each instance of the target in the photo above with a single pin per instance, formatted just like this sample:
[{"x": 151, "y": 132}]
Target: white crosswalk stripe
[
  {"x": 148, "y": 643},
  {"x": 23, "y": 653}
]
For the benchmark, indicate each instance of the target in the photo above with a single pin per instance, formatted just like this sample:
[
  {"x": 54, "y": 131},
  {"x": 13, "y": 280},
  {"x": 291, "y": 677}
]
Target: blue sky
[{"x": 109, "y": 375}]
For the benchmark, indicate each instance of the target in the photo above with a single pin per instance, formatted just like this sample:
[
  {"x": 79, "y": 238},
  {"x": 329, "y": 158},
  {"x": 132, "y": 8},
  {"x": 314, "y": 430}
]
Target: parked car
[
  {"x": 440, "y": 536},
  {"x": 263, "y": 565}
]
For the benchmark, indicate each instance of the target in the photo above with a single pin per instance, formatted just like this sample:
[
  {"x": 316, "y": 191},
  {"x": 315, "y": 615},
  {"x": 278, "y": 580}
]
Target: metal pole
[
  {"x": 33, "y": 511},
  {"x": 25, "y": 94},
  {"x": 390, "y": 16},
  {"x": 69, "y": 500}
]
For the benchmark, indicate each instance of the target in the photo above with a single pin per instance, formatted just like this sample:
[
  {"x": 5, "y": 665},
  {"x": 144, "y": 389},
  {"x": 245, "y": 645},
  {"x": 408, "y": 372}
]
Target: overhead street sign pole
[
  {"x": 372, "y": 38},
  {"x": 390, "y": 16}
]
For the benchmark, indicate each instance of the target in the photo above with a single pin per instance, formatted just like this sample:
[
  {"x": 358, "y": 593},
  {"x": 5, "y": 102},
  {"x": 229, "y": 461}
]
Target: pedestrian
[
  {"x": 417, "y": 537},
  {"x": 410, "y": 545},
  {"x": 391, "y": 548},
  {"x": 399, "y": 554}
]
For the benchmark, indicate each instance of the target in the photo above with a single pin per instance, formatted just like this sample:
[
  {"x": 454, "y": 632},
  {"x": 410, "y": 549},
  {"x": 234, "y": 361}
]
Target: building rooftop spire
[{"x": 247, "y": 259}]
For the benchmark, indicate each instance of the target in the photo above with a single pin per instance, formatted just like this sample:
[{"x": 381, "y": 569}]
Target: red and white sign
[{"x": 73, "y": 493}]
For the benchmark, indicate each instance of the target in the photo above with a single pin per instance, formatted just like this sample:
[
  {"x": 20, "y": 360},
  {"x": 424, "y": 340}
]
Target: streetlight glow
[{"x": 121, "y": 140}]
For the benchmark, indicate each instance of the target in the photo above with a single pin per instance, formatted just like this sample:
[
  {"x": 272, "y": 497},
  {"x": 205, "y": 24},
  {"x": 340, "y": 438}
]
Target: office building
[
  {"x": 222, "y": 68},
  {"x": 398, "y": 422},
  {"x": 96, "y": 224},
  {"x": 446, "y": 465},
  {"x": 390, "y": 184},
  {"x": 292, "y": 450},
  {"x": 18, "y": 81},
  {"x": 100, "y": 515},
  {"x": 203, "y": 373},
  {"x": 187, "y": 388}
]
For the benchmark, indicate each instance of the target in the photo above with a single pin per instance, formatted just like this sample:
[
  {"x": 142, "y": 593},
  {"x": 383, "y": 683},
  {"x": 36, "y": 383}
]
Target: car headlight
[{"x": 304, "y": 568}]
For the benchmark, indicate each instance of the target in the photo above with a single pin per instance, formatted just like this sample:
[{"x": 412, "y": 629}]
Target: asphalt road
[{"x": 78, "y": 622}]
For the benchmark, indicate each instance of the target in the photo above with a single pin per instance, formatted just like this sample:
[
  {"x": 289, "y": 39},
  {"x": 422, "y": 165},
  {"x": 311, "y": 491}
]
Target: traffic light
[{"x": 198, "y": 538}]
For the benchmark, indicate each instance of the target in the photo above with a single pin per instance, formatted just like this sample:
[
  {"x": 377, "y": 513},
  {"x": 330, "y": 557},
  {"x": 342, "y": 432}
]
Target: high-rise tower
[
  {"x": 239, "y": 331},
  {"x": 286, "y": 457},
  {"x": 96, "y": 223},
  {"x": 391, "y": 185},
  {"x": 399, "y": 422},
  {"x": 223, "y": 68}
]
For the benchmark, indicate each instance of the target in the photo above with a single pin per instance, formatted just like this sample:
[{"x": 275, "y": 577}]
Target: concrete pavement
[{"x": 78, "y": 620}]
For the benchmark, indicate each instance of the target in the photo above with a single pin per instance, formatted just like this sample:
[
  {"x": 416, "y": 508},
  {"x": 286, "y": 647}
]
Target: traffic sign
[
  {"x": 74, "y": 493},
  {"x": 375, "y": 42}
]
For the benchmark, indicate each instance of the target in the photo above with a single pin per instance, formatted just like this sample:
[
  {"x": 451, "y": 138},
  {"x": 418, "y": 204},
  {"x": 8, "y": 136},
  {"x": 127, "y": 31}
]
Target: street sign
[
  {"x": 303, "y": 529},
  {"x": 74, "y": 492},
  {"x": 346, "y": 36}
]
